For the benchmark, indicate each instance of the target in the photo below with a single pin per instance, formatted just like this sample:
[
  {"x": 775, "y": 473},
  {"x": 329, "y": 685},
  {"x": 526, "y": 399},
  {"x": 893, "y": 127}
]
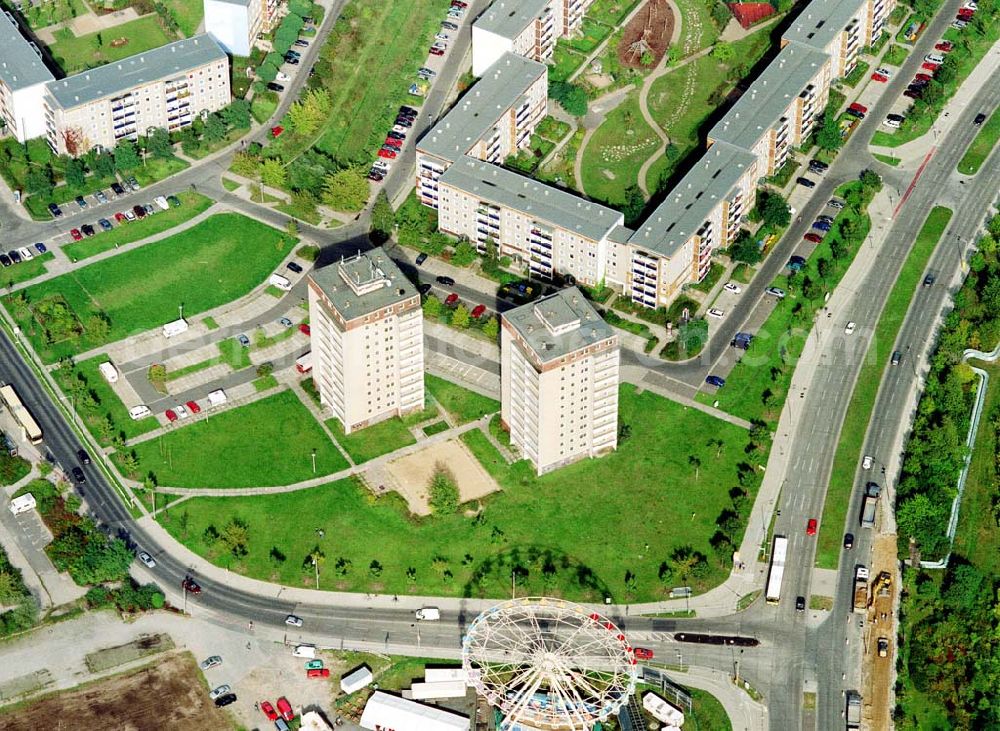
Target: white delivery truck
[
  {"x": 280, "y": 282},
  {"x": 428, "y": 613},
  {"x": 305, "y": 363},
  {"x": 22, "y": 504},
  {"x": 108, "y": 370},
  {"x": 139, "y": 412},
  {"x": 217, "y": 397}
]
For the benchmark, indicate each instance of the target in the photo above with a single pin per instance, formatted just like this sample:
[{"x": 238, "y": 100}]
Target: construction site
[{"x": 878, "y": 674}]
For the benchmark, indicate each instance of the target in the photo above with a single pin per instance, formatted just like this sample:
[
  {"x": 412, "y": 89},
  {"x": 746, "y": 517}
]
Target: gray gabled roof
[
  {"x": 821, "y": 20},
  {"x": 481, "y": 107},
  {"x": 118, "y": 77},
  {"x": 544, "y": 203},
  {"x": 693, "y": 199},
  {"x": 509, "y": 18},
  {"x": 768, "y": 98},
  {"x": 559, "y": 324},
  {"x": 20, "y": 62}
]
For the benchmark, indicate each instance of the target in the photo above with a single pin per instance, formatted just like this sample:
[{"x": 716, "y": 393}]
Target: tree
[
  {"x": 39, "y": 181},
  {"x": 215, "y": 128},
  {"x": 246, "y": 165},
  {"x": 158, "y": 144},
  {"x": 345, "y": 190},
  {"x": 823, "y": 268},
  {"x": 828, "y": 136},
  {"x": 744, "y": 248},
  {"x": 104, "y": 165},
  {"x": 871, "y": 180},
  {"x": 460, "y": 317},
  {"x": 75, "y": 141},
  {"x": 383, "y": 219},
  {"x": 236, "y": 537},
  {"x": 491, "y": 328},
  {"x": 75, "y": 173},
  {"x": 433, "y": 307},
  {"x": 272, "y": 172},
  {"x": 634, "y": 204},
  {"x": 695, "y": 462},
  {"x": 375, "y": 568},
  {"x": 774, "y": 211},
  {"x": 126, "y": 156},
  {"x": 570, "y": 97},
  {"x": 718, "y": 444},
  {"x": 342, "y": 566},
  {"x": 723, "y": 51},
  {"x": 237, "y": 114},
  {"x": 314, "y": 560},
  {"x": 444, "y": 498}
]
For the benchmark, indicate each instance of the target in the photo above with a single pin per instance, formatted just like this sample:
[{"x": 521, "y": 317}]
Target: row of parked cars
[
  {"x": 127, "y": 185},
  {"x": 394, "y": 140},
  {"x": 135, "y": 213},
  {"x": 292, "y": 58},
  {"x": 25, "y": 253}
]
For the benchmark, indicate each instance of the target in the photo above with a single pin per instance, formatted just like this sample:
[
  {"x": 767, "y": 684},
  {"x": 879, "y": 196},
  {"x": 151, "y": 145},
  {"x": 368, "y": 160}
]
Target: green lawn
[
  {"x": 616, "y": 151},
  {"x": 887, "y": 159},
  {"x": 580, "y": 521},
  {"x": 230, "y": 184},
  {"x": 263, "y": 105},
  {"x": 108, "y": 416},
  {"x": 697, "y": 29},
  {"x": 756, "y": 387},
  {"x": 981, "y": 146},
  {"x": 210, "y": 264},
  {"x": 155, "y": 169},
  {"x": 564, "y": 61},
  {"x": 26, "y": 270},
  {"x": 191, "y": 205},
  {"x": 267, "y": 442},
  {"x": 95, "y": 49},
  {"x": 187, "y": 13},
  {"x": 852, "y": 434},
  {"x": 463, "y": 405},
  {"x": 895, "y": 56},
  {"x": 372, "y": 441}
]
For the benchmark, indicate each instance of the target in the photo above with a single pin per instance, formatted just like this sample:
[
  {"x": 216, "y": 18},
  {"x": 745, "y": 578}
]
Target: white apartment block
[
  {"x": 235, "y": 24},
  {"x": 780, "y": 109},
  {"x": 494, "y": 119},
  {"x": 559, "y": 366},
  {"x": 166, "y": 87},
  {"x": 528, "y": 28},
  {"x": 840, "y": 28},
  {"x": 367, "y": 340},
  {"x": 23, "y": 77}
]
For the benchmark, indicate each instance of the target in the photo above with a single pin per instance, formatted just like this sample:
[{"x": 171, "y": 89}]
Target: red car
[
  {"x": 276, "y": 131},
  {"x": 452, "y": 299},
  {"x": 393, "y": 143},
  {"x": 858, "y": 108},
  {"x": 923, "y": 77},
  {"x": 318, "y": 673},
  {"x": 436, "y": 52},
  {"x": 815, "y": 238},
  {"x": 304, "y": 329},
  {"x": 193, "y": 407},
  {"x": 944, "y": 46},
  {"x": 171, "y": 416},
  {"x": 75, "y": 233},
  {"x": 478, "y": 311},
  {"x": 811, "y": 527},
  {"x": 641, "y": 653},
  {"x": 966, "y": 14},
  {"x": 268, "y": 710},
  {"x": 120, "y": 217},
  {"x": 285, "y": 709},
  {"x": 388, "y": 154},
  {"x": 190, "y": 585},
  {"x": 929, "y": 66},
  {"x": 459, "y": 4},
  {"x": 879, "y": 77}
]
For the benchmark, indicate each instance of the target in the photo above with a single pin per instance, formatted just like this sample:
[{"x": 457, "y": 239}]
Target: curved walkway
[
  {"x": 970, "y": 443},
  {"x": 591, "y": 122}
]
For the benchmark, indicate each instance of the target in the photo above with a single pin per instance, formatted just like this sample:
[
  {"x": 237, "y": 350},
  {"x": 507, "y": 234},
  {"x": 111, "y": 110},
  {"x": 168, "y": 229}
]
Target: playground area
[
  {"x": 647, "y": 36},
  {"x": 411, "y": 475}
]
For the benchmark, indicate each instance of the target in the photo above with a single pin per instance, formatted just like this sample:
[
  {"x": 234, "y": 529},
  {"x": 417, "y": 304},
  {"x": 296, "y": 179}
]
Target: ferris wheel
[{"x": 549, "y": 664}]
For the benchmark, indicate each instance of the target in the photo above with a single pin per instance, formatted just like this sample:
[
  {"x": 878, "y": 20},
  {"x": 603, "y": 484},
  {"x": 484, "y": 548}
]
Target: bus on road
[
  {"x": 778, "y": 552},
  {"x": 23, "y": 417}
]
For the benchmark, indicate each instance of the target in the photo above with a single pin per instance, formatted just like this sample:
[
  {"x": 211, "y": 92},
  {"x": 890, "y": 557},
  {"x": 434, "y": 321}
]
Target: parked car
[
  {"x": 929, "y": 66},
  {"x": 105, "y": 224},
  {"x": 193, "y": 407},
  {"x": 117, "y": 189},
  {"x": 795, "y": 263},
  {"x": 424, "y": 288},
  {"x": 285, "y": 709},
  {"x": 959, "y": 24},
  {"x": 435, "y": 51},
  {"x": 883, "y": 646},
  {"x": 775, "y": 292},
  {"x": 912, "y": 94},
  {"x": 716, "y": 313},
  {"x": 446, "y": 281},
  {"x": 388, "y": 154},
  {"x": 225, "y": 700},
  {"x": 944, "y": 46},
  {"x": 304, "y": 329},
  {"x": 835, "y": 203},
  {"x": 139, "y": 211},
  {"x": 171, "y": 416},
  {"x": 218, "y": 692},
  {"x": 40, "y": 248},
  {"x": 408, "y": 111},
  {"x": 75, "y": 234},
  {"x": 272, "y": 86},
  {"x": 302, "y": 43},
  {"x": 642, "y": 653},
  {"x": 14, "y": 257},
  {"x": 174, "y": 201},
  {"x": 811, "y": 527},
  {"x": 375, "y": 176},
  {"x": 478, "y": 311},
  {"x": 5, "y": 260},
  {"x": 88, "y": 230},
  {"x": 26, "y": 254},
  {"x": 81, "y": 202},
  {"x": 421, "y": 258},
  {"x": 859, "y": 108},
  {"x": 451, "y": 300},
  {"x": 732, "y": 287},
  {"x": 449, "y": 25},
  {"x": 716, "y": 381},
  {"x": 813, "y": 237},
  {"x": 55, "y": 210},
  {"x": 268, "y": 710},
  {"x": 395, "y": 144},
  {"x": 394, "y": 135},
  {"x": 133, "y": 183},
  {"x": 293, "y": 267},
  {"x": 192, "y": 587},
  {"x": 822, "y": 225},
  {"x": 181, "y": 411},
  {"x": 243, "y": 340},
  {"x": 894, "y": 123},
  {"x": 848, "y": 541},
  {"x": 805, "y": 182},
  {"x": 211, "y": 662},
  {"x": 292, "y": 621},
  {"x": 318, "y": 673},
  {"x": 101, "y": 198},
  {"x": 78, "y": 475},
  {"x": 876, "y": 76}
]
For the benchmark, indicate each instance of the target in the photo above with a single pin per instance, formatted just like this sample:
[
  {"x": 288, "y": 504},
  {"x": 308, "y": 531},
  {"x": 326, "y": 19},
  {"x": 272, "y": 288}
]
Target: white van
[
  {"x": 22, "y": 504},
  {"x": 308, "y": 651},
  {"x": 109, "y": 371},
  {"x": 217, "y": 397},
  {"x": 429, "y": 614},
  {"x": 280, "y": 282},
  {"x": 161, "y": 201},
  {"x": 139, "y": 412}
]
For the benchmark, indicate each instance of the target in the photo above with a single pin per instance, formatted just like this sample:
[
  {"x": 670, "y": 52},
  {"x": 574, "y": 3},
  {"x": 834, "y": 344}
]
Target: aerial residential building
[
  {"x": 367, "y": 340},
  {"x": 494, "y": 119},
  {"x": 22, "y": 82},
  {"x": 780, "y": 109},
  {"x": 235, "y": 24},
  {"x": 559, "y": 380},
  {"x": 166, "y": 87},
  {"x": 701, "y": 214},
  {"x": 840, "y": 28},
  {"x": 551, "y": 231}
]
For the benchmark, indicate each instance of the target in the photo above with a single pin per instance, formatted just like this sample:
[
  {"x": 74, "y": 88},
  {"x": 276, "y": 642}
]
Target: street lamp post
[
  {"x": 316, "y": 567},
  {"x": 314, "y": 460}
]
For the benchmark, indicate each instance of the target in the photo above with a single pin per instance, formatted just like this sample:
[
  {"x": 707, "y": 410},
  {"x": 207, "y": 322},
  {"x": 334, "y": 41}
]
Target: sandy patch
[{"x": 411, "y": 474}]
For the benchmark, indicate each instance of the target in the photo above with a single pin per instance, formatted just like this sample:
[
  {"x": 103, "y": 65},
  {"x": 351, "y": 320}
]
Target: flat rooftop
[
  {"x": 546, "y": 203},
  {"x": 820, "y": 22},
  {"x": 693, "y": 199},
  {"x": 481, "y": 107},
  {"x": 559, "y": 324},
  {"x": 20, "y": 62},
  {"x": 510, "y": 18},
  {"x": 770, "y": 95},
  {"x": 364, "y": 283},
  {"x": 118, "y": 77}
]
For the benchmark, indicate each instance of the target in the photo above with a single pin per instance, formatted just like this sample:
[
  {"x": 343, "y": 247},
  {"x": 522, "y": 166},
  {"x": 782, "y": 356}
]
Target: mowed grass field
[
  {"x": 218, "y": 260},
  {"x": 597, "y": 527},
  {"x": 375, "y": 51},
  {"x": 74, "y": 53},
  {"x": 267, "y": 442}
]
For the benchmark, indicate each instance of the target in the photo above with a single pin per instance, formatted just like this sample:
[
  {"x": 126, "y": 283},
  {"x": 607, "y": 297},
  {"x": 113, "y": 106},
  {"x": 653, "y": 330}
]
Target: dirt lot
[
  {"x": 166, "y": 695},
  {"x": 651, "y": 29},
  {"x": 878, "y": 674},
  {"x": 411, "y": 474}
]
